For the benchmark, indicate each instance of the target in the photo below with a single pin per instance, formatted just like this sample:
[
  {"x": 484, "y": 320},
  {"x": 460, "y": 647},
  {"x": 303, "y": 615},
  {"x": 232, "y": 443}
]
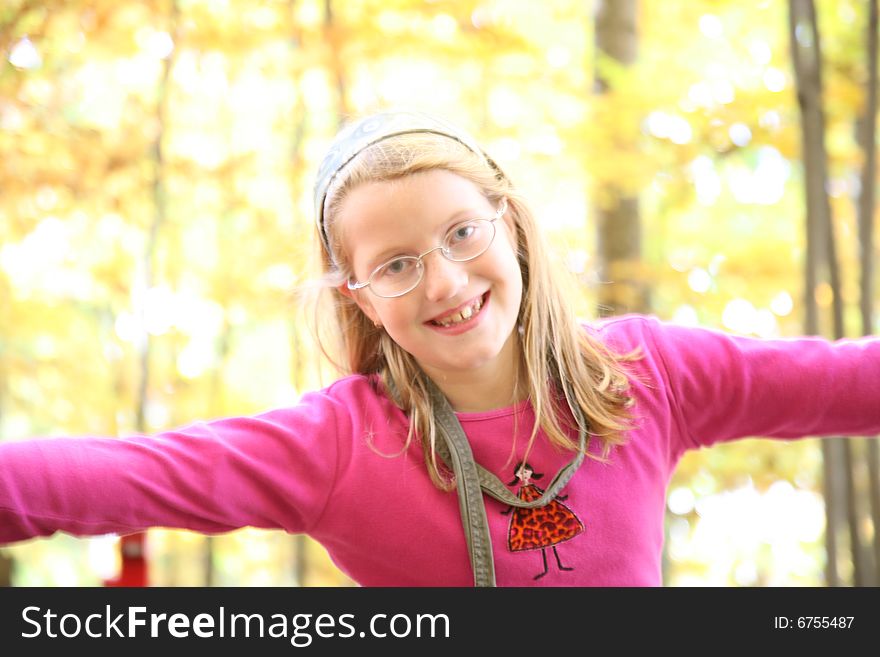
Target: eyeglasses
[{"x": 464, "y": 241}]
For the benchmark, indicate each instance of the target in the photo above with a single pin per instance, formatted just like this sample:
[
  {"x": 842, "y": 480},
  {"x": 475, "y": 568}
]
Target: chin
[{"x": 474, "y": 362}]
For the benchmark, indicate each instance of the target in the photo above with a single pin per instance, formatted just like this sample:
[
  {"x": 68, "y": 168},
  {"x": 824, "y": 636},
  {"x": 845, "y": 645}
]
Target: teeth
[{"x": 462, "y": 315}]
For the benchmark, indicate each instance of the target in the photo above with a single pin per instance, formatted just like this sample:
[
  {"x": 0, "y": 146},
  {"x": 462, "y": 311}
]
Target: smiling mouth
[{"x": 462, "y": 315}]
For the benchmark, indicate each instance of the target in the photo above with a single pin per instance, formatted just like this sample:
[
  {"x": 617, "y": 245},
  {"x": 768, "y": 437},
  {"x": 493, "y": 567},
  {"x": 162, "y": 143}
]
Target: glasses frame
[{"x": 354, "y": 285}]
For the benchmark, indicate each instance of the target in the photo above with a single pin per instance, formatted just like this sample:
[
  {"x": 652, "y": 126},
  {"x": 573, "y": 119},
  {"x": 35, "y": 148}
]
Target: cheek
[
  {"x": 510, "y": 234},
  {"x": 509, "y": 268},
  {"x": 396, "y": 313},
  {"x": 366, "y": 306}
]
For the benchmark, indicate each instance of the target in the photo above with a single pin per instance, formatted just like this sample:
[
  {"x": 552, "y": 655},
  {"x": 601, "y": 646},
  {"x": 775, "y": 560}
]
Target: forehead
[{"x": 405, "y": 213}]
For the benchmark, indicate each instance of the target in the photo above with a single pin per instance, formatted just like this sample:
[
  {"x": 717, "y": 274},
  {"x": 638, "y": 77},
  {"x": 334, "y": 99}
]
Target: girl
[{"x": 464, "y": 359}]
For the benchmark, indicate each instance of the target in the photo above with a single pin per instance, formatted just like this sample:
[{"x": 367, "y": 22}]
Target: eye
[
  {"x": 462, "y": 232},
  {"x": 397, "y": 267}
]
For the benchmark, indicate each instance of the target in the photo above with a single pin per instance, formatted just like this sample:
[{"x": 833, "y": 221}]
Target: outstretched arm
[
  {"x": 723, "y": 386},
  {"x": 271, "y": 470}
]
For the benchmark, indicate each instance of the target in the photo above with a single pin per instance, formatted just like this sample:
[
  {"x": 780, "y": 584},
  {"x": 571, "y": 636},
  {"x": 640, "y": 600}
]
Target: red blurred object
[{"x": 134, "y": 562}]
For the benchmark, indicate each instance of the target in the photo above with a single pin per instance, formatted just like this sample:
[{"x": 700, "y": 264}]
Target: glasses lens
[
  {"x": 396, "y": 276},
  {"x": 469, "y": 239}
]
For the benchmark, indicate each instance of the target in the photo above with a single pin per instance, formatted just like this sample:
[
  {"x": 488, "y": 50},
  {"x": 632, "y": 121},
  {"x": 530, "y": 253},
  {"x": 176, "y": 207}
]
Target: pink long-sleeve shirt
[{"x": 314, "y": 467}]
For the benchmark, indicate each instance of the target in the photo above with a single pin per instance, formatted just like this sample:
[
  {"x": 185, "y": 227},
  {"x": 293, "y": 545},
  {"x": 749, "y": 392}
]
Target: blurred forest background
[{"x": 156, "y": 163}]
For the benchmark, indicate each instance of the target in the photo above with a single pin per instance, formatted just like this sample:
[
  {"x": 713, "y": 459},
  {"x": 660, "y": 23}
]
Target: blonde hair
[{"x": 554, "y": 348}]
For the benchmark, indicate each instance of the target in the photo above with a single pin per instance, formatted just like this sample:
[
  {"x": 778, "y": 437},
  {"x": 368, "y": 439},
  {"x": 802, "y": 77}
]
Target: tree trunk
[
  {"x": 337, "y": 71},
  {"x": 6, "y": 567},
  {"x": 846, "y": 447},
  {"x": 866, "y": 137},
  {"x": 133, "y": 546},
  {"x": 807, "y": 58},
  {"x": 619, "y": 248},
  {"x": 6, "y": 561}
]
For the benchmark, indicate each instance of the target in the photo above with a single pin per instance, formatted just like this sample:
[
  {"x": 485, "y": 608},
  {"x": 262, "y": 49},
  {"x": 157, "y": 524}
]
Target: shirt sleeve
[
  {"x": 723, "y": 386},
  {"x": 272, "y": 470}
]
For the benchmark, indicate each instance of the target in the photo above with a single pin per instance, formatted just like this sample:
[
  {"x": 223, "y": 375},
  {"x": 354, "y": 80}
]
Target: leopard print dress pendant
[{"x": 543, "y": 527}]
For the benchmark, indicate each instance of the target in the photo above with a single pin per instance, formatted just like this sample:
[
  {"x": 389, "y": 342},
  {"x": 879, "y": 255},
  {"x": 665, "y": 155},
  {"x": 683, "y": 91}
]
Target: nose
[{"x": 443, "y": 278}]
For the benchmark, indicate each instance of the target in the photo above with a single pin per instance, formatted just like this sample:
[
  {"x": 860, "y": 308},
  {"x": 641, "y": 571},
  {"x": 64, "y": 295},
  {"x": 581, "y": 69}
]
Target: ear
[{"x": 362, "y": 301}]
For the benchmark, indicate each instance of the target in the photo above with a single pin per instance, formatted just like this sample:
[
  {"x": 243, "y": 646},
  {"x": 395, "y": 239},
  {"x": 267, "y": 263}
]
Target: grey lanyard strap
[{"x": 471, "y": 479}]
